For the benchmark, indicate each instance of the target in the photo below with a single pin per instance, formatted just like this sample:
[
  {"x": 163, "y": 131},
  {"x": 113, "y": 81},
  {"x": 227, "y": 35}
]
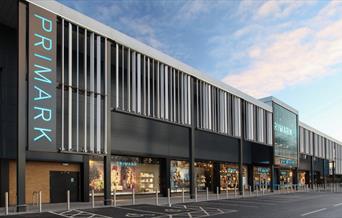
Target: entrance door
[{"x": 60, "y": 183}]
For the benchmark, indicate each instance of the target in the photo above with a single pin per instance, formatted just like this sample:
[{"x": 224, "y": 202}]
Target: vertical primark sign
[{"x": 42, "y": 80}]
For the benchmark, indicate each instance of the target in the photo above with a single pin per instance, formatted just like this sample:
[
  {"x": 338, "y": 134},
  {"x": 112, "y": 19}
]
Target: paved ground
[{"x": 292, "y": 205}]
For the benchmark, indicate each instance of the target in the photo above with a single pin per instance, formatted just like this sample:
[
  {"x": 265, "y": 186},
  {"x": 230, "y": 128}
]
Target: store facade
[
  {"x": 90, "y": 108},
  {"x": 262, "y": 177},
  {"x": 286, "y": 149}
]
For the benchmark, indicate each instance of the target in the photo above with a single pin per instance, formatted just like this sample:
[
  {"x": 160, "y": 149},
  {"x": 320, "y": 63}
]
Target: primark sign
[{"x": 42, "y": 80}]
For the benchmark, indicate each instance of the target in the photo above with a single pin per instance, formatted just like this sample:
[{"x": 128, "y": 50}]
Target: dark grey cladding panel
[
  {"x": 305, "y": 164},
  {"x": 209, "y": 146},
  {"x": 140, "y": 136},
  {"x": 318, "y": 165},
  {"x": 260, "y": 154},
  {"x": 247, "y": 152},
  {"x": 8, "y": 91},
  {"x": 52, "y": 156}
]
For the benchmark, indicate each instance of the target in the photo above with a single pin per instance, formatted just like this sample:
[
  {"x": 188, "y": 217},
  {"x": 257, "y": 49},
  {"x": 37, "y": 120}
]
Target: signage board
[
  {"x": 285, "y": 127},
  {"x": 42, "y": 80}
]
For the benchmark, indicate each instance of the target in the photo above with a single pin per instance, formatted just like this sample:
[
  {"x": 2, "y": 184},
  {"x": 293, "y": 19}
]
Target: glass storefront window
[
  {"x": 285, "y": 137},
  {"x": 127, "y": 173},
  {"x": 262, "y": 176},
  {"x": 302, "y": 178},
  {"x": 96, "y": 175},
  {"x": 179, "y": 176},
  {"x": 229, "y": 176},
  {"x": 286, "y": 177},
  {"x": 140, "y": 174},
  {"x": 204, "y": 175}
]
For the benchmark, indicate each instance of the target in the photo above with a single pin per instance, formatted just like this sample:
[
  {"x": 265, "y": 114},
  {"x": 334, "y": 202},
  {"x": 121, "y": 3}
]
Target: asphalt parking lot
[{"x": 292, "y": 205}]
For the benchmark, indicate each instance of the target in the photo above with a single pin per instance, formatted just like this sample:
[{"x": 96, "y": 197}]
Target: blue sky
[{"x": 289, "y": 49}]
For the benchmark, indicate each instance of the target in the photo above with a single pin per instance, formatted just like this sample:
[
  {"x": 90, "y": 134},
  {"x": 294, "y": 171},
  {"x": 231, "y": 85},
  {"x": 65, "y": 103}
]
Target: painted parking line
[
  {"x": 225, "y": 204},
  {"x": 336, "y": 205},
  {"x": 250, "y": 202},
  {"x": 202, "y": 211},
  {"x": 311, "y": 212},
  {"x": 158, "y": 209},
  {"x": 78, "y": 213}
]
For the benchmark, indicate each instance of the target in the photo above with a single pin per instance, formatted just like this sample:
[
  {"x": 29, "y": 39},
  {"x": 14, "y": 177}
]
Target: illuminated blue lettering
[
  {"x": 45, "y": 42},
  {"x": 41, "y": 94},
  {"x": 45, "y": 113},
  {"x": 43, "y": 57},
  {"x": 43, "y": 134},
  {"x": 46, "y": 23},
  {"x": 39, "y": 72}
]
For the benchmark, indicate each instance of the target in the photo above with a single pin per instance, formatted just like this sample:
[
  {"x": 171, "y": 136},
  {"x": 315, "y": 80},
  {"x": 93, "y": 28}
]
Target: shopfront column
[
  {"x": 333, "y": 171},
  {"x": 242, "y": 140},
  {"x": 108, "y": 143},
  {"x": 85, "y": 179},
  {"x": 107, "y": 179},
  {"x": 22, "y": 109},
  {"x": 192, "y": 143},
  {"x": 295, "y": 176},
  {"x": 312, "y": 172},
  {"x": 273, "y": 176},
  {"x": 216, "y": 177},
  {"x": 165, "y": 172},
  {"x": 324, "y": 173},
  {"x": 4, "y": 182},
  {"x": 251, "y": 176}
]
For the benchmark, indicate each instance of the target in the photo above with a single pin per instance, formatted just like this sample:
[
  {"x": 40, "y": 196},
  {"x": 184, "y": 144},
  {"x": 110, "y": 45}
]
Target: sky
[{"x": 289, "y": 49}]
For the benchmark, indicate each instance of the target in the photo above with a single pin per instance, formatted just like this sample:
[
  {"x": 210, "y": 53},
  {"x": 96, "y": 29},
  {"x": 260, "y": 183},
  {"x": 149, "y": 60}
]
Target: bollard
[
  {"x": 217, "y": 193},
  {"x": 40, "y": 201},
  {"x": 114, "y": 197},
  {"x": 227, "y": 197},
  {"x": 196, "y": 194},
  {"x": 133, "y": 196},
  {"x": 183, "y": 196},
  {"x": 169, "y": 197},
  {"x": 68, "y": 200},
  {"x": 263, "y": 191},
  {"x": 92, "y": 199},
  {"x": 257, "y": 192},
  {"x": 6, "y": 203},
  {"x": 250, "y": 191},
  {"x": 235, "y": 192},
  {"x": 157, "y": 197},
  {"x": 207, "y": 193}
]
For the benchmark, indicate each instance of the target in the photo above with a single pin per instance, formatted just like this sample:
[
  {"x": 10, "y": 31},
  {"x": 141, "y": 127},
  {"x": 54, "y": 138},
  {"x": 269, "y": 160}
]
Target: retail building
[{"x": 84, "y": 107}]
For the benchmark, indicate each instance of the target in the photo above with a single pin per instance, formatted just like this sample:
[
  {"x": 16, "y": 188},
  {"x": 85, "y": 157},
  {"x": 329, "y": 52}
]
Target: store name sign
[
  {"x": 42, "y": 79},
  {"x": 287, "y": 162},
  {"x": 126, "y": 164},
  {"x": 263, "y": 170},
  {"x": 283, "y": 129}
]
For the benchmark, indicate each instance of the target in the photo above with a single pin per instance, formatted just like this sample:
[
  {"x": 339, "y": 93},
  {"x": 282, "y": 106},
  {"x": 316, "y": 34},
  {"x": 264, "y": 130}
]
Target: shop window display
[
  {"x": 229, "y": 176},
  {"x": 262, "y": 177},
  {"x": 286, "y": 177},
  {"x": 204, "y": 175},
  {"x": 140, "y": 174},
  {"x": 302, "y": 178},
  {"x": 180, "y": 178},
  {"x": 127, "y": 173},
  {"x": 96, "y": 175}
]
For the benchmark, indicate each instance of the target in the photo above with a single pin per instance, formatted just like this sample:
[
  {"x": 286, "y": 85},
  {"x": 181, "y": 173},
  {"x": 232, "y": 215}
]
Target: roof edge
[
  {"x": 306, "y": 126},
  {"x": 281, "y": 103},
  {"x": 87, "y": 22}
]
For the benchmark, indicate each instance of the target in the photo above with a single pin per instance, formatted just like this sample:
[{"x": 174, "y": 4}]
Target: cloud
[
  {"x": 279, "y": 9},
  {"x": 143, "y": 31},
  {"x": 192, "y": 9},
  {"x": 292, "y": 57}
]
